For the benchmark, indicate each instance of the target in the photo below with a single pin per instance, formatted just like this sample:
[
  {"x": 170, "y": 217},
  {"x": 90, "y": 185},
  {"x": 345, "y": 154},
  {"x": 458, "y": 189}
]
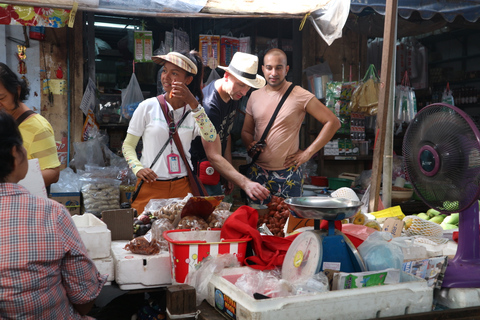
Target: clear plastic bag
[
  {"x": 143, "y": 245},
  {"x": 131, "y": 97},
  {"x": 379, "y": 252},
  {"x": 218, "y": 217},
  {"x": 166, "y": 208},
  {"x": 200, "y": 278},
  {"x": 192, "y": 222},
  {"x": 267, "y": 283},
  {"x": 317, "y": 283},
  {"x": 68, "y": 181},
  {"x": 99, "y": 193},
  {"x": 447, "y": 96}
]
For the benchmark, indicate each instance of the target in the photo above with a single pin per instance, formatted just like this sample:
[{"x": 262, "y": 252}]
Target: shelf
[
  {"x": 454, "y": 59},
  {"x": 454, "y": 82},
  {"x": 348, "y": 158},
  {"x": 113, "y": 125}
]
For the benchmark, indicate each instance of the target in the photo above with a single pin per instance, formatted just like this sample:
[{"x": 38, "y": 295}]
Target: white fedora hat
[{"x": 244, "y": 67}]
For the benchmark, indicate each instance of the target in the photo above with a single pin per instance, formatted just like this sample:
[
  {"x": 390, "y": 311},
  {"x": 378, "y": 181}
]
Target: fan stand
[{"x": 463, "y": 271}]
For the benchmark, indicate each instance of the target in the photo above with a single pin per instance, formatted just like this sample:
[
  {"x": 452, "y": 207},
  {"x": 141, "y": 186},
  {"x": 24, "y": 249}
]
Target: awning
[{"x": 449, "y": 9}]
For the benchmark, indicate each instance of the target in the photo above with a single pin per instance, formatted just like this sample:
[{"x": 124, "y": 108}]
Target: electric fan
[{"x": 441, "y": 150}]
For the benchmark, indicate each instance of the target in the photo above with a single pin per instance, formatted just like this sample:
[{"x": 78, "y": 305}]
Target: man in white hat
[
  {"x": 221, "y": 99},
  {"x": 278, "y": 166}
]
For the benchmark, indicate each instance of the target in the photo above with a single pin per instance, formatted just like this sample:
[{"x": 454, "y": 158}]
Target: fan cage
[{"x": 451, "y": 139}]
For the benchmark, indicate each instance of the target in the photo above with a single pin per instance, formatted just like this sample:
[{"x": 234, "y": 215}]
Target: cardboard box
[
  {"x": 71, "y": 200},
  {"x": 120, "y": 223},
  {"x": 296, "y": 223}
]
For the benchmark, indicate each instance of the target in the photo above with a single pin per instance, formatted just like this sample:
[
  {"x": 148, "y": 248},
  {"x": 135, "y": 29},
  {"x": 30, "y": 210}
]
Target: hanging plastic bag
[
  {"x": 405, "y": 105},
  {"x": 318, "y": 76},
  {"x": 365, "y": 97},
  {"x": 212, "y": 77},
  {"x": 447, "y": 96},
  {"x": 131, "y": 97}
]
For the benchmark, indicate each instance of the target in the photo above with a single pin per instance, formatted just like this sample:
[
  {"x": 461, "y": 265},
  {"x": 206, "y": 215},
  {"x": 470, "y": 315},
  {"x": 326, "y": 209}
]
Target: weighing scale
[{"x": 315, "y": 250}]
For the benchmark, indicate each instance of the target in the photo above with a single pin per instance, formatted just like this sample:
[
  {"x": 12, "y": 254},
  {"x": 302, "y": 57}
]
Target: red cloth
[
  {"x": 324, "y": 225},
  {"x": 269, "y": 251}
]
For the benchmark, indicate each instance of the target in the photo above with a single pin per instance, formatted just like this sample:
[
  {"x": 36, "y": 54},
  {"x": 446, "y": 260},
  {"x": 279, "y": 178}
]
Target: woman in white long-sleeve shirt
[{"x": 182, "y": 81}]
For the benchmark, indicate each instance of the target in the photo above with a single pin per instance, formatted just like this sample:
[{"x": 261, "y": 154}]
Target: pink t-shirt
[{"x": 283, "y": 137}]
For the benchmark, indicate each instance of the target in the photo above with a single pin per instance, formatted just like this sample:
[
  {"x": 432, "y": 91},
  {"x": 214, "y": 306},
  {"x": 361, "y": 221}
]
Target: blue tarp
[{"x": 449, "y": 9}]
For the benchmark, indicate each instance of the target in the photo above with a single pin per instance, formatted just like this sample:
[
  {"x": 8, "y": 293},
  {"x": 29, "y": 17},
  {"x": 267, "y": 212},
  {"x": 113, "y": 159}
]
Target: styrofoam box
[
  {"x": 106, "y": 266},
  {"x": 455, "y": 298},
  {"x": 138, "y": 271},
  {"x": 412, "y": 295},
  {"x": 95, "y": 235}
]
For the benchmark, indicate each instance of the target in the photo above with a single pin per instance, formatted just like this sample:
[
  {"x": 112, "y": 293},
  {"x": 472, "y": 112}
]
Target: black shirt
[{"x": 222, "y": 116}]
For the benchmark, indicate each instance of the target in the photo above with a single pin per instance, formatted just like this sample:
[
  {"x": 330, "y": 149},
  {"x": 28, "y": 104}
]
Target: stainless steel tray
[{"x": 323, "y": 208}]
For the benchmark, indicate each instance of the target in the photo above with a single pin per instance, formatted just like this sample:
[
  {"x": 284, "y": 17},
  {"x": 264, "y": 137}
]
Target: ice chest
[
  {"x": 138, "y": 271},
  {"x": 411, "y": 295},
  {"x": 189, "y": 247},
  {"x": 95, "y": 235}
]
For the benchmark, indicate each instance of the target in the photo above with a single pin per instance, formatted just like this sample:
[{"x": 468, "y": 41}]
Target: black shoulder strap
[
  {"x": 24, "y": 116},
  {"x": 272, "y": 119}
]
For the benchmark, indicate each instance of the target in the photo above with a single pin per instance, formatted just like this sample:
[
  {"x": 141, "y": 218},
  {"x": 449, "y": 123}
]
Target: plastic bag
[
  {"x": 100, "y": 194},
  {"x": 330, "y": 19},
  {"x": 379, "y": 252},
  {"x": 68, "y": 181},
  {"x": 405, "y": 105},
  {"x": 200, "y": 278},
  {"x": 266, "y": 283},
  {"x": 317, "y": 283},
  {"x": 219, "y": 215},
  {"x": 415, "y": 226},
  {"x": 143, "y": 245},
  {"x": 192, "y": 222},
  {"x": 365, "y": 96},
  {"x": 318, "y": 76},
  {"x": 447, "y": 96},
  {"x": 212, "y": 77},
  {"x": 158, "y": 227},
  {"x": 166, "y": 208},
  {"x": 333, "y": 97},
  {"x": 131, "y": 97}
]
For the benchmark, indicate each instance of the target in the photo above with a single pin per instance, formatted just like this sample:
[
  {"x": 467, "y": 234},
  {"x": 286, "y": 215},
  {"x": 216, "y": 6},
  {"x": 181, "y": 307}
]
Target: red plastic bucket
[{"x": 189, "y": 247}]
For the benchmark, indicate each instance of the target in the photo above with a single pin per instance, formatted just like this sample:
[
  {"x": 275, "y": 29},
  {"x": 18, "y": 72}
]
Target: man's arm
[
  {"x": 253, "y": 189},
  {"x": 330, "y": 125},
  {"x": 248, "y": 131}
]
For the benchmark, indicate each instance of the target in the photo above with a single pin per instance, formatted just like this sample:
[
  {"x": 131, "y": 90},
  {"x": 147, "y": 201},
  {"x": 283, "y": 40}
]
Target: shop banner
[
  {"x": 209, "y": 50},
  {"x": 33, "y": 16}
]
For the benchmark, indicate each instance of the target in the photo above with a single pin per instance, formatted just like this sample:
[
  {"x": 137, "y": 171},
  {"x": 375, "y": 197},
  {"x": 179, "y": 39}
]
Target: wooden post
[{"x": 389, "y": 39}]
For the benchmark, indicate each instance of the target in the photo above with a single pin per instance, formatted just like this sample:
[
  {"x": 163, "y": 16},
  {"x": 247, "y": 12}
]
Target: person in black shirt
[{"x": 221, "y": 99}]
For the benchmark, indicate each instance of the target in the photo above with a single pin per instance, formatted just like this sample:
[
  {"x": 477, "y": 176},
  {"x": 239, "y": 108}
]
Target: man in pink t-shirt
[{"x": 278, "y": 166}]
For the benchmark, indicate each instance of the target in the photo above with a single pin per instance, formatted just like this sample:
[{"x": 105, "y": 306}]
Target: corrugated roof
[{"x": 449, "y": 9}]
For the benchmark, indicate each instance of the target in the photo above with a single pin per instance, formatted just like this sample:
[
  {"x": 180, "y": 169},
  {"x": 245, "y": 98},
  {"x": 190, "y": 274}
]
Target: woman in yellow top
[
  {"x": 37, "y": 133},
  {"x": 181, "y": 78}
]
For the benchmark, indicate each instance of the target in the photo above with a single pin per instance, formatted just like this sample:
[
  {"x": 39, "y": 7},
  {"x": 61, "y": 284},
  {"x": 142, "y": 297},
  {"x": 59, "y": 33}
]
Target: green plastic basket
[{"x": 336, "y": 183}]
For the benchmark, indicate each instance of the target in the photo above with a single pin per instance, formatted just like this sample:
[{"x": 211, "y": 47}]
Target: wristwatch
[{"x": 198, "y": 108}]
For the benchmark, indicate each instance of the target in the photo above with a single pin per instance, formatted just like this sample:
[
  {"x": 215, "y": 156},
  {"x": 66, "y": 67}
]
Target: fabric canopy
[{"x": 449, "y": 9}]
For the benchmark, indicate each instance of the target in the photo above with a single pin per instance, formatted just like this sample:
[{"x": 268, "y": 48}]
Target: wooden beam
[{"x": 389, "y": 40}]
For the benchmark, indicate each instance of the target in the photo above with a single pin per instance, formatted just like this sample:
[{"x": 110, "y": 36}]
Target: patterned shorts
[{"x": 282, "y": 183}]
